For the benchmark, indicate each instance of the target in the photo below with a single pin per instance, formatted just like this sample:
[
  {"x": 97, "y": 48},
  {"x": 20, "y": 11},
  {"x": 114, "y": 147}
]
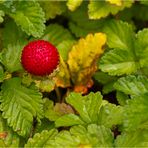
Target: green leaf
[
  {"x": 64, "y": 47},
  {"x": 29, "y": 15},
  {"x": 87, "y": 106},
  {"x": 8, "y": 138},
  {"x": 52, "y": 8},
  {"x": 79, "y": 136},
  {"x": 73, "y": 4},
  {"x": 12, "y": 33},
  {"x": 132, "y": 85},
  {"x": 1, "y": 74},
  {"x": 41, "y": 139},
  {"x": 62, "y": 79},
  {"x": 1, "y": 16},
  {"x": 107, "y": 88},
  {"x": 10, "y": 57},
  {"x": 53, "y": 112},
  {"x": 55, "y": 34},
  {"x": 122, "y": 98},
  {"x": 20, "y": 105},
  {"x": 49, "y": 110},
  {"x": 44, "y": 125},
  {"x": 104, "y": 78},
  {"x": 138, "y": 138},
  {"x": 142, "y": 9},
  {"x": 77, "y": 26},
  {"x": 144, "y": 2},
  {"x": 118, "y": 62},
  {"x": 45, "y": 85},
  {"x": 142, "y": 47},
  {"x": 135, "y": 113},
  {"x": 13, "y": 41},
  {"x": 119, "y": 35},
  {"x": 68, "y": 120},
  {"x": 99, "y": 9},
  {"x": 110, "y": 115}
]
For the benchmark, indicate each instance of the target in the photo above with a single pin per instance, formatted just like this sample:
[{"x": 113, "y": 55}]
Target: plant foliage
[{"x": 97, "y": 96}]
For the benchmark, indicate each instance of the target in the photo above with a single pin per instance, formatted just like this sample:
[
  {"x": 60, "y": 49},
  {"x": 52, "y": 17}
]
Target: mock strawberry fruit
[{"x": 40, "y": 58}]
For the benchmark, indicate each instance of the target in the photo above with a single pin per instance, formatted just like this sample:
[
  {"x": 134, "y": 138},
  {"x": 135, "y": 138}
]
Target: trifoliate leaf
[
  {"x": 135, "y": 114},
  {"x": 62, "y": 79},
  {"x": 132, "y": 85},
  {"x": 99, "y": 9},
  {"x": 87, "y": 107},
  {"x": 20, "y": 105},
  {"x": 110, "y": 115},
  {"x": 41, "y": 139},
  {"x": 52, "y": 8},
  {"x": 29, "y": 15},
  {"x": 55, "y": 34},
  {"x": 118, "y": 62},
  {"x": 116, "y": 2},
  {"x": 79, "y": 136},
  {"x": 7, "y": 136},
  {"x": 142, "y": 47},
  {"x": 120, "y": 35},
  {"x": 73, "y": 4},
  {"x": 138, "y": 138},
  {"x": 83, "y": 65}
]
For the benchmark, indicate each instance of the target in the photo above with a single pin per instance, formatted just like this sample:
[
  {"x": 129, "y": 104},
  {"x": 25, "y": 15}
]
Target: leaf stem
[{"x": 58, "y": 94}]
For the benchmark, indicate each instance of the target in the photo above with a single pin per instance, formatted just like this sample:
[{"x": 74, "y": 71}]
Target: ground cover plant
[{"x": 95, "y": 92}]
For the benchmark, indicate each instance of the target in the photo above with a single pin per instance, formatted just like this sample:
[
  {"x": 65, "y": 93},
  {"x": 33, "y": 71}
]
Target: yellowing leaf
[
  {"x": 73, "y": 4},
  {"x": 82, "y": 59},
  {"x": 62, "y": 79},
  {"x": 116, "y": 2}
]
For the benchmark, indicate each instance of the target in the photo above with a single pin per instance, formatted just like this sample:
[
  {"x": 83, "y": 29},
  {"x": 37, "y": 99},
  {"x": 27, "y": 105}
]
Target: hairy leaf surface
[{"x": 20, "y": 105}]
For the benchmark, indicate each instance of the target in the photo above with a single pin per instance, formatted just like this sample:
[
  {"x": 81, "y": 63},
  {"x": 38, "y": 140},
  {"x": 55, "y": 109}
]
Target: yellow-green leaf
[
  {"x": 62, "y": 79},
  {"x": 73, "y": 4},
  {"x": 83, "y": 56},
  {"x": 116, "y": 2},
  {"x": 52, "y": 8},
  {"x": 99, "y": 9},
  {"x": 46, "y": 85}
]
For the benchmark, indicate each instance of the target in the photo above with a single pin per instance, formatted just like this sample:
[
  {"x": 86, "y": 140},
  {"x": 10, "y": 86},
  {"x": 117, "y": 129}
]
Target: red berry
[{"x": 40, "y": 58}]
